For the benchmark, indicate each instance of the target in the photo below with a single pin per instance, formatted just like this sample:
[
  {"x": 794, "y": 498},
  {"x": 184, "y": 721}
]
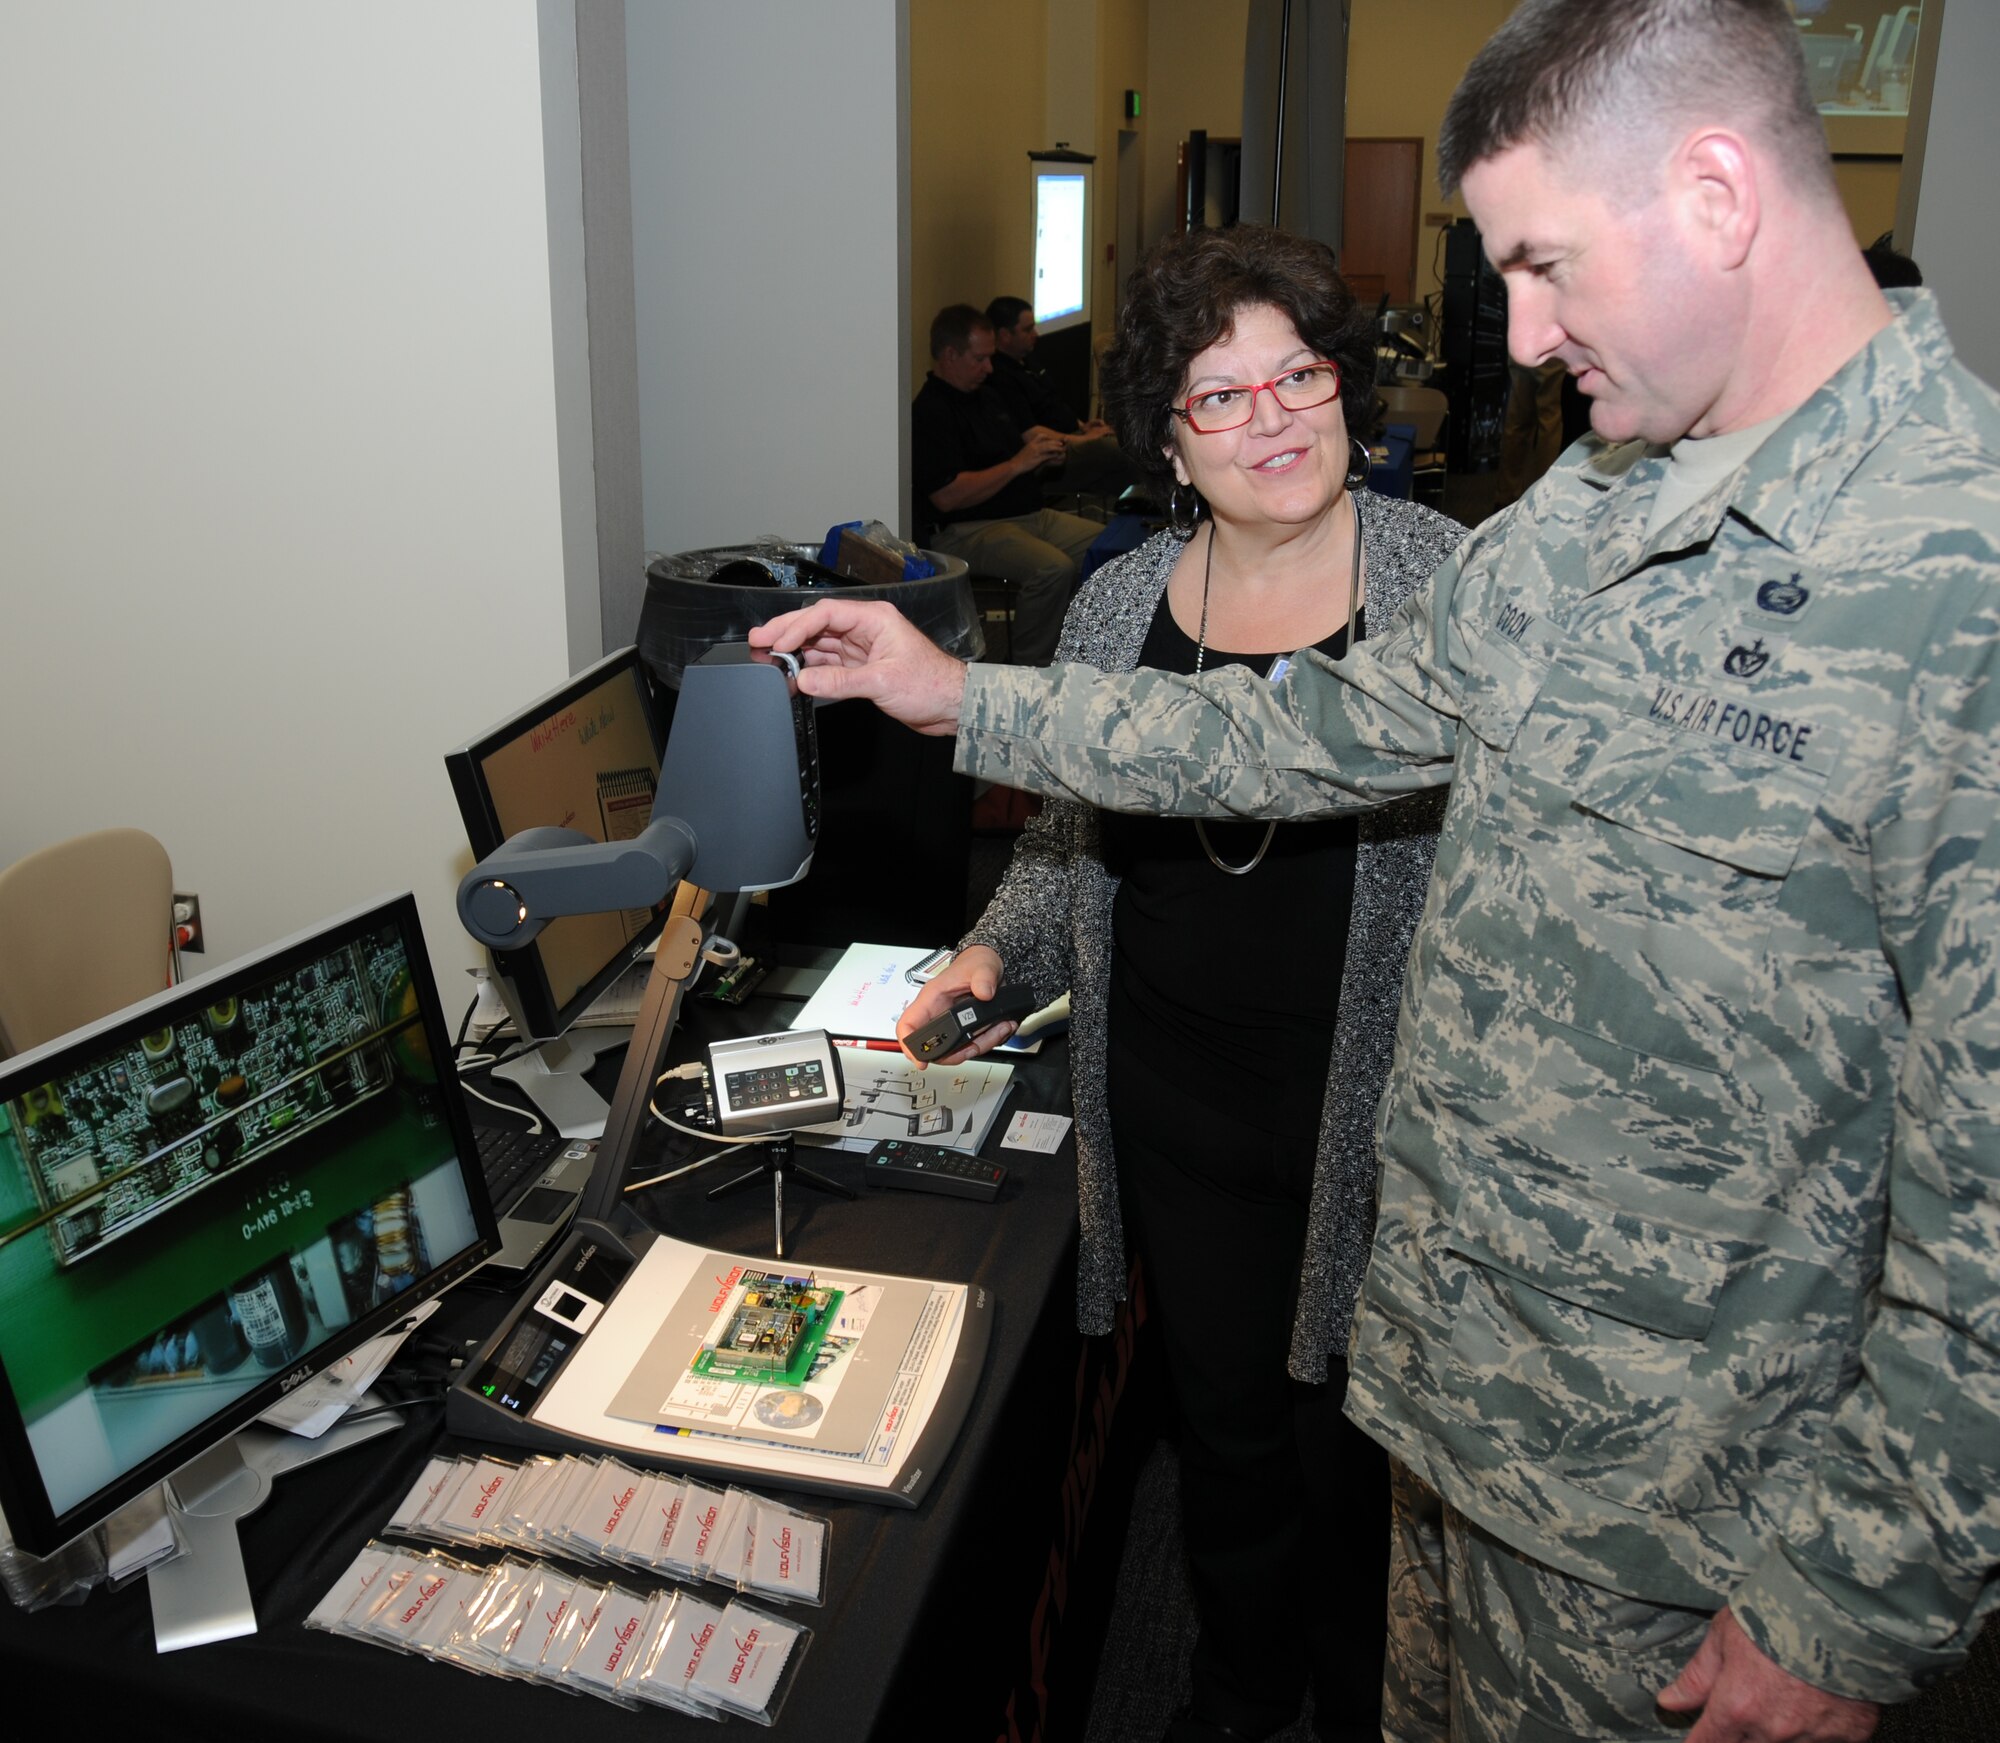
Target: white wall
[
  {"x": 1956, "y": 241},
  {"x": 770, "y": 242},
  {"x": 278, "y": 501}
]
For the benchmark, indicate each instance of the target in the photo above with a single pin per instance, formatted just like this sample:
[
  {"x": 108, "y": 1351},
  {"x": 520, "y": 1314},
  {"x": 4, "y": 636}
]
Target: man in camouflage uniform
[{"x": 1683, "y": 1317}]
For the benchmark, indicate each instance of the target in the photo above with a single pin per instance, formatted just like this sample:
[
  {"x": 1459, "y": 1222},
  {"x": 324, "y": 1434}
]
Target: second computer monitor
[{"x": 586, "y": 756}]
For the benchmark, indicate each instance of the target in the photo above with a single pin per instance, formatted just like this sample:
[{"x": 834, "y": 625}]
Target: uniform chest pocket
[
  {"x": 1660, "y": 896},
  {"x": 1745, "y": 813}
]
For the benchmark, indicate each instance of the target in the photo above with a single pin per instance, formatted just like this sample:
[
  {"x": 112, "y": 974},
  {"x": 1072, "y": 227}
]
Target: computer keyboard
[{"x": 512, "y": 1158}]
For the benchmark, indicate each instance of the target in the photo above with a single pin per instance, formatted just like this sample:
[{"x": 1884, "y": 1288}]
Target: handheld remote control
[
  {"x": 966, "y": 1018},
  {"x": 926, "y": 1168}
]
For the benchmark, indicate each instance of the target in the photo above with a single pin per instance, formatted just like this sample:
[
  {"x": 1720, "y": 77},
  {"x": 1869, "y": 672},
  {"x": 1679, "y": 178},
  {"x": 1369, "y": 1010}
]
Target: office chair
[
  {"x": 1424, "y": 409},
  {"x": 89, "y": 928}
]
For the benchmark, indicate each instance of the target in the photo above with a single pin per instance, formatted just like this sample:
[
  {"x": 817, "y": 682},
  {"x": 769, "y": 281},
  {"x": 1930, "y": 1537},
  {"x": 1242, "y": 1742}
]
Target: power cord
[
  {"x": 687, "y": 1074},
  {"x": 388, "y": 1406},
  {"x": 483, "y": 1061},
  {"x": 534, "y": 1119}
]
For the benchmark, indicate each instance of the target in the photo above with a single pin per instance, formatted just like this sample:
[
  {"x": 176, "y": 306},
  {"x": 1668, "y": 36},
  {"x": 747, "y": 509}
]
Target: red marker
[{"x": 870, "y": 1045}]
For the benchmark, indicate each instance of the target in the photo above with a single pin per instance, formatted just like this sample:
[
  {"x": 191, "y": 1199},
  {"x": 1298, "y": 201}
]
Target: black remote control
[
  {"x": 926, "y": 1168},
  {"x": 966, "y": 1017}
]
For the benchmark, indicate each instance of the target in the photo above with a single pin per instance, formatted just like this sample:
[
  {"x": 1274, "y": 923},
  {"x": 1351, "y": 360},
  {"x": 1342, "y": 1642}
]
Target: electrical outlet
[
  {"x": 187, "y": 924},
  {"x": 1437, "y": 220}
]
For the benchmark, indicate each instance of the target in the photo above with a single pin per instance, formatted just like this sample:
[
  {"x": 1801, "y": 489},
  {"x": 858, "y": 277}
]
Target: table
[{"x": 975, "y": 1615}]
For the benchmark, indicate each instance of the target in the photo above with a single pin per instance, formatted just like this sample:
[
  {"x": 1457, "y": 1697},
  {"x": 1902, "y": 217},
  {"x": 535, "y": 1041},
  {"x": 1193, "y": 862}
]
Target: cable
[
  {"x": 689, "y": 1072},
  {"x": 685, "y": 1073},
  {"x": 389, "y": 1406},
  {"x": 506, "y": 1107},
  {"x": 685, "y": 1167},
  {"x": 712, "y": 1137},
  {"x": 723, "y": 952},
  {"x": 514, "y": 1052}
]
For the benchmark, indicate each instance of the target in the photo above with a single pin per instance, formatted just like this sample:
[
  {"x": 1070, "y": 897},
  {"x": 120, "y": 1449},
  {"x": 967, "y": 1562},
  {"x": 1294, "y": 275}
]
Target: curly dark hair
[{"x": 1183, "y": 298}]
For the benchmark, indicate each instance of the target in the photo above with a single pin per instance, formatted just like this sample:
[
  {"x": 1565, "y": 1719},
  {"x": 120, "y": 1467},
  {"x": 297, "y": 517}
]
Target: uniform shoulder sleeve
[{"x": 1886, "y": 1570}]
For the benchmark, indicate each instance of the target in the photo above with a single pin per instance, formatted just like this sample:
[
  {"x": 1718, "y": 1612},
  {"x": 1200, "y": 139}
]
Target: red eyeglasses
[{"x": 1216, "y": 409}]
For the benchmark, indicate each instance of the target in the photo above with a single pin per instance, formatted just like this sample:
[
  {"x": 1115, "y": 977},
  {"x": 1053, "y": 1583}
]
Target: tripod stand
[{"x": 781, "y": 1159}]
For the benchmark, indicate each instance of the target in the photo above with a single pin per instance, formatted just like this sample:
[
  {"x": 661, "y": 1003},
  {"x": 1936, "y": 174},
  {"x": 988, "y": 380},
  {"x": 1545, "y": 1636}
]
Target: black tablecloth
[{"x": 976, "y": 1615}]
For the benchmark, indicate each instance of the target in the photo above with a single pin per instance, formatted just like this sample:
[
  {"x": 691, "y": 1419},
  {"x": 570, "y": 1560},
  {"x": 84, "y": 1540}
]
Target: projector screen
[{"x": 1062, "y": 244}]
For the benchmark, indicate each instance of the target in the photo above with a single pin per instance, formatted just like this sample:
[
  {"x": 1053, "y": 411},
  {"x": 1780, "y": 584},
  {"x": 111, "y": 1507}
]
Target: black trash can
[{"x": 895, "y": 821}]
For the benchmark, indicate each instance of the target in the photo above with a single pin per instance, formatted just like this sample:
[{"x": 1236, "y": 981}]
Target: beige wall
[
  {"x": 1194, "y": 79},
  {"x": 1401, "y": 71},
  {"x": 980, "y": 102},
  {"x": 1868, "y": 189},
  {"x": 1123, "y": 31},
  {"x": 1399, "y": 78},
  {"x": 977, "y": 77}
]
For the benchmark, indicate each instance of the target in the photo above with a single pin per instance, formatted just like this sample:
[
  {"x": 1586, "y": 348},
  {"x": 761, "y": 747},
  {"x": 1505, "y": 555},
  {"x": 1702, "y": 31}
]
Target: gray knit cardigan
[{"x": 1050, "y": 922}]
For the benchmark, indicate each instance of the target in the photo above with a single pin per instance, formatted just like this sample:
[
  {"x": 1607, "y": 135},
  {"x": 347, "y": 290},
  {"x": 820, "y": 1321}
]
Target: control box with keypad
[{"x": 773, "y": 1083}]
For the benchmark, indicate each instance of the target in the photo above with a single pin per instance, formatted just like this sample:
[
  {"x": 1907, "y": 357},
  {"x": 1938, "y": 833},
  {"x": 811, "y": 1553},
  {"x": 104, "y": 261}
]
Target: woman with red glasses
[{"x": 1235, "y": 985}]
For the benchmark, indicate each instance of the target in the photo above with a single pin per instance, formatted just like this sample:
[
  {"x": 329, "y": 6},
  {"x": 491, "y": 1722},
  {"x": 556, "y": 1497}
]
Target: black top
[
  {"x": 1231, "y": 984},
  {"x": 953, "y": 432},
  {"x": 1030, "y": 397}
]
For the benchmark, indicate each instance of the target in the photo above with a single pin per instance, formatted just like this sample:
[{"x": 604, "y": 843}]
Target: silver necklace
[{"x": 1201, "y": 653}]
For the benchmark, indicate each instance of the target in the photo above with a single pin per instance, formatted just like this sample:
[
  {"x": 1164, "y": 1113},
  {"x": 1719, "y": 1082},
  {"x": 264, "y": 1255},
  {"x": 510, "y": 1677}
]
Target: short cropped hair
[
  {"x": 1597, "y": 75},
  {"x": 953, "y": 326},
  {"x": 1185, "y": 296},
  {"x": 1004, "y": 312}
]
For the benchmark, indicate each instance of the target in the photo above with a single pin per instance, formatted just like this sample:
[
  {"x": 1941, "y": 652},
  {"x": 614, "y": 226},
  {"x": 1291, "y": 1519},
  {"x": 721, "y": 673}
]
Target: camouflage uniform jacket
[
  {"x": 1686, "y": 1278},
  {"x": 1050, "y": 922}
]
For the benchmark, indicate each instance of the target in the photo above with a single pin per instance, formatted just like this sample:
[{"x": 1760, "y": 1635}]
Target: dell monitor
[
  {"x": 206, "y": 1199},
  {"x": 586, "y": 756}
]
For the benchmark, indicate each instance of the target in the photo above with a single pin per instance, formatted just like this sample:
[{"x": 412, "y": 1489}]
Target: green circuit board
[
  {"x": 769, "y": 1330},
  {"x": 138, "y": 1130}
]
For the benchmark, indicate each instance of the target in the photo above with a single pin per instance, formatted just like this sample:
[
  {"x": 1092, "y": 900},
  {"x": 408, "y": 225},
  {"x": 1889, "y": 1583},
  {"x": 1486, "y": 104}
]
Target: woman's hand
[{"x": 975, "y": 970}]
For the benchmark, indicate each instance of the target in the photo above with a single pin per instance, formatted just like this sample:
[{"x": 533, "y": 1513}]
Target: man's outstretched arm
[{"x": 1226, "y": 744}]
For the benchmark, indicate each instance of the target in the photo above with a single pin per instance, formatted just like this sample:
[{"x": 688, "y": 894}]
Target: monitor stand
[
  {"x": 203, "y": 1594},
  {"x": 552, "y": 1076}
]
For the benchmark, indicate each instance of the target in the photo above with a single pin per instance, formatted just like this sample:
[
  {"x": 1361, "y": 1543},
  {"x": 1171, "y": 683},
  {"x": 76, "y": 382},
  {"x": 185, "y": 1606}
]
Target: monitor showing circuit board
[{"x": 209, "y": 1197}]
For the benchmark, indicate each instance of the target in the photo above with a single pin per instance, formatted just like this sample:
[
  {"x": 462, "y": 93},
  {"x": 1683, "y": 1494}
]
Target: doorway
[{"x": 1381, "y": 208}]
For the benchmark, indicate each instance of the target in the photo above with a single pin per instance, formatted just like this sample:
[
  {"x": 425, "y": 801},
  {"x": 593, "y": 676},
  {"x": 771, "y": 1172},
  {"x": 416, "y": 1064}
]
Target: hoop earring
[
  {"x": 1183, "y": 511},
  {"x": 1359, "y": 461}
]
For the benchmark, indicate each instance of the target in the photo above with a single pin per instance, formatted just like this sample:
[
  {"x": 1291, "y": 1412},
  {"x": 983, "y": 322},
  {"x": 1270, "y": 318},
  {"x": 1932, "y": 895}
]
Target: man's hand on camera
[{"x": 869, "y": 649}]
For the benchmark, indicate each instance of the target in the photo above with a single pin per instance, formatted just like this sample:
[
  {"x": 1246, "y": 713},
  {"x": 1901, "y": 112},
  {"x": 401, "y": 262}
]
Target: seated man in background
[
  {"x": 975, "y": 480},
  {"x": 1094, "y": 461}
]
